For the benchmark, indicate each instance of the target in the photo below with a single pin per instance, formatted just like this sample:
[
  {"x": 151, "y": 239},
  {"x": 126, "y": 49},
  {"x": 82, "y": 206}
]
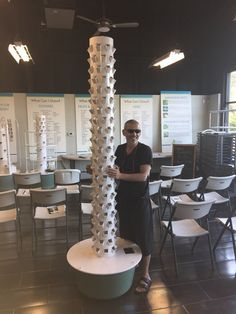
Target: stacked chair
[
  {"x": 181, "y": 190},
  {"x": 69, "y": 179},
  {"x": 217, "y": 190},
  {"x": 170, "y": 172},
  {"x": 26, "y": 181},
  {"x": 6, "y": 182}
]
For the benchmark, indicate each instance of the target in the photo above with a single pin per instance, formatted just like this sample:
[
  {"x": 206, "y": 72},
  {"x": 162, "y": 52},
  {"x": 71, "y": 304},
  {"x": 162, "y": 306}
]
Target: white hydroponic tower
[
  {"x": 5, "y": 162},
  {"x": 41, "y": 142},
  {"x": 102, "y": 91}
]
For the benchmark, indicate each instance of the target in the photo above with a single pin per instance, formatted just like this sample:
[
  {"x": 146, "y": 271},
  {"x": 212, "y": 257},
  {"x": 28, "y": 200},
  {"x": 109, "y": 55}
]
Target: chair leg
[
  {"x": 163, "y": 241},
  {"x": 175, "y": 256},
  {"x": 80, "y": 225},
  {"x": 19, "y": 228},
  {"x": 232, "y": 235},
  {"x": 164, "y": 209},
  {"x": 221, "y": 234},
  {"x": 160, "y": 205},
  {"x": 17, "y": 236},
  {"x": 210, "y": 251},
  {"x": 34, "y": 237},
  {"x": 67, "y": 233},
  {"x": 194, "y": 244},
  {"x": 158, "y": 215}
]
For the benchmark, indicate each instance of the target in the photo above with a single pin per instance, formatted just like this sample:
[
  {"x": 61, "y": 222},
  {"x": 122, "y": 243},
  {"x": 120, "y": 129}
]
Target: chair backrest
[
  {"x": 192, "y": 210},
  {"x": 86, "y": 193},
  {"x": 171, "y": 171},
  {"x": 6, "y": 182},
  {"x": 48, "y": 197},
  {"x": 7, "y": 199},
  {"x": 219, "y": 183},
  {"x": 67, "y": 176},
  {"x": 27, "y": 180},
  {"x": 185, "y": 185},
  {"x": 154, "y": 187}
]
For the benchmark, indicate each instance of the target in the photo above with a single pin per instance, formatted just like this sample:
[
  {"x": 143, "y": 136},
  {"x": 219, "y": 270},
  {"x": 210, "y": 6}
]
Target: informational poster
[
  {"x": 139, "y": 108},
  {"x": 7, "y": 115},
  {"x": 53, "y": 107},
  {"x": 176, "y": 119},
  {"x": 83, "y": 125}
]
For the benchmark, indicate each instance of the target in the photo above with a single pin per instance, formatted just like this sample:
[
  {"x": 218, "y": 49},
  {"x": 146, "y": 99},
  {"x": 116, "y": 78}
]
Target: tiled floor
[{"x": 45, "y": 283}]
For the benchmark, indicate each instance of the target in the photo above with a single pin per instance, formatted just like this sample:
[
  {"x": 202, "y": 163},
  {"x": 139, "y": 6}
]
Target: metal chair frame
[
  {"x": 186, "y": 226},
  {"x": 9, "y": 212},
  {"x": 44, "y": 200},
  {"x": 85, "y": 205},
  {"x": 218, "y": 188},
  {"x": 154, "y": 192}
]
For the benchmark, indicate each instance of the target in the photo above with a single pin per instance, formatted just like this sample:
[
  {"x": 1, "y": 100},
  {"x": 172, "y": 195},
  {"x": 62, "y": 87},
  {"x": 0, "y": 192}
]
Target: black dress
[{"x": 133, "y": 202}]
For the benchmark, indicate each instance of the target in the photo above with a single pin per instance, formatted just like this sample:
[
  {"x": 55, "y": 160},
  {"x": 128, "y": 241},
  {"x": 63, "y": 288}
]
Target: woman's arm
[{"x": 140, "y": 176}]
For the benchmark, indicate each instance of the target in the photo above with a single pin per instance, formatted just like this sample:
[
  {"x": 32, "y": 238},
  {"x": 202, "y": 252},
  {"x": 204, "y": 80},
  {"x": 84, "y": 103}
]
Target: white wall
[{"x": 200, "y": 116}]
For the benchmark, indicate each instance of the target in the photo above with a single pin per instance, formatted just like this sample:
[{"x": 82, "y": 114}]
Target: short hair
[{"x": 130, "y": 121}]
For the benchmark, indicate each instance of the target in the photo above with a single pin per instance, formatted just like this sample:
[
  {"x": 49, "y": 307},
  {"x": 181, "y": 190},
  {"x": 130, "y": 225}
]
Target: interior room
[{"x": 73, "y": 72}]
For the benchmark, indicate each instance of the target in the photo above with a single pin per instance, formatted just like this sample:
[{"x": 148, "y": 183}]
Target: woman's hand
[{"x": 114, "y": 172}]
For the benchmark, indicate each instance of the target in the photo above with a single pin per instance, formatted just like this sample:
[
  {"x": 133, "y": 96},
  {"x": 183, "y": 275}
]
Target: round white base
[{"x": 104, "y": 277}]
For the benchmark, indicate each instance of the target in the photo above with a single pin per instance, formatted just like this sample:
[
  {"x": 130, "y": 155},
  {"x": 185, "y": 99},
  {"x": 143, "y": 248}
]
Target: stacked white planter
[
  {"x": 102, "y": 120},
  {"x": 41, "y": 142},
  {"x": 5, "y": 164},
  {"x": 102, "y": 261}
]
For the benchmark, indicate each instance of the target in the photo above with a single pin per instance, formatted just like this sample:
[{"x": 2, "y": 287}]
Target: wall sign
[
  {"x": 139, "y": 108},
  {"x": 176, "y": 119},
  {"x": 53, "y": 107},
  {"x": 7, "y": 112},
  {"x": 83, "y": 125}
]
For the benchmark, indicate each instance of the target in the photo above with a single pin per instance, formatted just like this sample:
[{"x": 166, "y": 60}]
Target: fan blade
[
  {"x": 86, "y": 19},
  {"x": 124, "y": 25}
]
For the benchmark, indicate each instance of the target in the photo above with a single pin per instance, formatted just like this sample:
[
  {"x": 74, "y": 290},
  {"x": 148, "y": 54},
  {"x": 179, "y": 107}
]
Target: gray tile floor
[{"x": 45, "y": 283}]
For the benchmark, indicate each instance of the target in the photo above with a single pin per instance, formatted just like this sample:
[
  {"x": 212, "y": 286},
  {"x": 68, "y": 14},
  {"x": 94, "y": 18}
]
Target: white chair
[
  {"x": 26, "y": 181},
  {"x": 181, "y": 190},
  {"x": 47, "y": 205},
  {"x": 154, "y": 192},
  {"x": 186, "y": 225},
  {"x": 217, "y": 188},
  {"x": 10, "y": 213},
  {"x": 85, "y": 206},
  {"x": 69, "y": 179},
  {"x": 170, "y": 172},
  {"x": 6, "y": 182}
]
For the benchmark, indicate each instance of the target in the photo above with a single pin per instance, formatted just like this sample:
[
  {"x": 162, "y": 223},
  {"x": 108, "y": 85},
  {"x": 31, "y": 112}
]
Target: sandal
[{"x": 144, "y": 285}]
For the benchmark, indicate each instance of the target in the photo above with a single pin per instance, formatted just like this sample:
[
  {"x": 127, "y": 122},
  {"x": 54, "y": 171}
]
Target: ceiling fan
[{"x": 104, "y": 25}]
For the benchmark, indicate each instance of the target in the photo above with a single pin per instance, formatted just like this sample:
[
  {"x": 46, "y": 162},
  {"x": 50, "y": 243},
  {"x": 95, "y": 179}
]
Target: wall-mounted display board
[
  {"x": 185, "y": 154},
  {"x": 176, "y": 119},
  {"x": 7, "y": 112},
  {"x": 83, "y": 125},
  {"x": 139, "y": 108},
  {"x": 53, "y": 107}
]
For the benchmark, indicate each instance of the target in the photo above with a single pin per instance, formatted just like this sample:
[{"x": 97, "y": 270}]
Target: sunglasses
[{"x": 130, "y": 131}]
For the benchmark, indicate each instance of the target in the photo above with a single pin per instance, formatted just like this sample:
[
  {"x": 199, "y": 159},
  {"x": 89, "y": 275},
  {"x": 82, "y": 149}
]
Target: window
[{"x": 231, "y": 100}]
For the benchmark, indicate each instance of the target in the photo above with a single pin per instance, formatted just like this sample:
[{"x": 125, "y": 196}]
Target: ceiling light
[
  {"x": 168, "y": 59},
  {"x": 19, "y": 52}
]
